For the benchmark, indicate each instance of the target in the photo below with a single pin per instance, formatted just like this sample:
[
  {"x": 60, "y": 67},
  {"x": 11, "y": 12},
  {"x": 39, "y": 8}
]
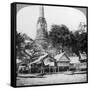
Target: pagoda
[{"x": 41, "y": 34}]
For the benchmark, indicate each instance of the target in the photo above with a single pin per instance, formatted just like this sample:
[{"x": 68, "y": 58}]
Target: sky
[{"x": 27, "y": 18}]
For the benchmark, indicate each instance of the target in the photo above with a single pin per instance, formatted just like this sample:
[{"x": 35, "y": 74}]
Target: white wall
[{"x": 5, "y": 44}]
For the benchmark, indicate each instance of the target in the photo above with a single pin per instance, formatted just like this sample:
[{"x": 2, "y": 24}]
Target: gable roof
[
  {"x": 39, "y": 59},
  {"x": 74, "y": 60},
  {"x": 59, "y": 56}
]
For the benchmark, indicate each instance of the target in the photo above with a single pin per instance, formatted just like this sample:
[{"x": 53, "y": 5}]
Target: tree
[
  {"x": 83, "y": 42},
  {"x": 59, "y": 36},
  {"x": 19, "y": 40},
  {"x": 33, "y": 51},
  {"x": 26, "y": 51},
  {"x": 79, "y": 43},
  {"x": 19, "y": 45},
  {"x": 75, "y": 45}
]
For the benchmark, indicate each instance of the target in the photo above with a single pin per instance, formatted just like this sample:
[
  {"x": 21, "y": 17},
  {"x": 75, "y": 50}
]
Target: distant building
[
  {"x": 83, "y": 58},
  {"x": 74, "y": 60},
  {"x": 74, "y": 63},
  {"x": 77, "y": 64},
  {"x": 82, "y": 27}
]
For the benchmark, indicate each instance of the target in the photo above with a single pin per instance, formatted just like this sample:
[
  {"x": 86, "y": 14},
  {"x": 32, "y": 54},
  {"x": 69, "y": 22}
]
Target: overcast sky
[{"x": 27, "y": 18}]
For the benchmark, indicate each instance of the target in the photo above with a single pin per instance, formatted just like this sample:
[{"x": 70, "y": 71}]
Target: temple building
[{"x": 41, "y": 34}]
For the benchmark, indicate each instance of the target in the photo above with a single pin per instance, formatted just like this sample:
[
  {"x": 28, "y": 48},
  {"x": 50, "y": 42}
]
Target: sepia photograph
[{"x": 51, "y": 44}]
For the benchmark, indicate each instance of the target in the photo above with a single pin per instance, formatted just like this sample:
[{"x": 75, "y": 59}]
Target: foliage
[
  {"x": 81, "y": 41},
  {"x": 26, "y": 48},
  {"x": 61, "y": 37}
]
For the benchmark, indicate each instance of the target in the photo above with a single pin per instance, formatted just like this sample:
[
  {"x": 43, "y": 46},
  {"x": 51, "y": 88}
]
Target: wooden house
[
  {"x": 42, "y": 64},
  {"x": 74, "y": 63},
  {"x": 62, "y": 61}
]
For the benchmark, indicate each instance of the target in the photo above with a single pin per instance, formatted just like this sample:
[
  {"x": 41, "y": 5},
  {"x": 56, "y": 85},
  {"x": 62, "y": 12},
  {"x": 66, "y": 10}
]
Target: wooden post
[
  {"x": 49, "y": 69},
  {"x": 30, "y": 70},
  {"x": 43, "y": 69},
  {"x": 55, "y": 69},
  {"x": 58, "y": 68},
  {"x": 77, "y": 67}
]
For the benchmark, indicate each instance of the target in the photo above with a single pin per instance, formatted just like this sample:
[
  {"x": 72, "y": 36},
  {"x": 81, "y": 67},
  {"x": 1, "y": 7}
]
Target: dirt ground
[{"x": 51, "y": 79}]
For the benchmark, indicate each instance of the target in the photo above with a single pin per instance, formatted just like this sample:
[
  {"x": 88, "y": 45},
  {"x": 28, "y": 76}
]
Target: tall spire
[
  {"x": 42, "y": 34},
  {"x": 41, "y": 11}
]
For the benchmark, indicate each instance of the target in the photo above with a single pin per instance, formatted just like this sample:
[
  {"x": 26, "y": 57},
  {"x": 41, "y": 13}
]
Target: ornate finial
[{"x": 41, "y": 11}]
